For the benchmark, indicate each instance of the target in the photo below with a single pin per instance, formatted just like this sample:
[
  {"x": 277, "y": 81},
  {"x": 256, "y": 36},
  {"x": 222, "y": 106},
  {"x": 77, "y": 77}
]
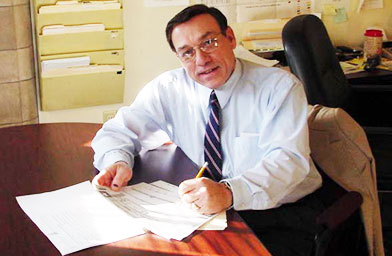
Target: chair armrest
[{"x": 340, "y": 211}]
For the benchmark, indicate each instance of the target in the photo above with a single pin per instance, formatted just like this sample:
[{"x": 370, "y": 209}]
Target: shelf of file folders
[{"x": 80, "y": 51}]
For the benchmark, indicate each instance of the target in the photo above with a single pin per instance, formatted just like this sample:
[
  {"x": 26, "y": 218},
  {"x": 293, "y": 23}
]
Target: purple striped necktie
[{"x": 212, "y": 145}]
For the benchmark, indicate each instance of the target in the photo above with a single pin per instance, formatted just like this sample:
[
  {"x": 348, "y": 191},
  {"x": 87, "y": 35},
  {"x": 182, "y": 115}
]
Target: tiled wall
[{"x": 18, "y": 101}]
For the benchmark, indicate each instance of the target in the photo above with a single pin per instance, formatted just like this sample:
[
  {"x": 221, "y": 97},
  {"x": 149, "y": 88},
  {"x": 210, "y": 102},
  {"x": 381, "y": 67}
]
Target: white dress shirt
[{"x": 264, "y": 132}]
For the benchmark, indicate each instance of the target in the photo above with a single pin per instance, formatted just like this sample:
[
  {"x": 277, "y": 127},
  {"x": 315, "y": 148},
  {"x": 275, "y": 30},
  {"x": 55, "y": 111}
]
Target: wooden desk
[
  {"x": 39, "y": 158},
  {"x": 377, "y": 80},
  {"x": 371, "y": 94}
]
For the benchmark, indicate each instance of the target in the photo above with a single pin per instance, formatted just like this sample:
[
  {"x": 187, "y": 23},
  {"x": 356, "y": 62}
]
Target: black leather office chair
[{"x": 311, "y": 57}]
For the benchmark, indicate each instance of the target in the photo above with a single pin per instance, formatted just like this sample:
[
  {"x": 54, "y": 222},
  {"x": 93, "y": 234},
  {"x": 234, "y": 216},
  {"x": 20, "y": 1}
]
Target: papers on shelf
[
  {"x": 264, "y": 45},
  {"x": 47, "y": 65},
  {"x": 61, "y": 29},
  {"x": 82, "y": 70},
  {"x": 75, "y": 6},
  {"x": 79, "y": 216},
  {"x": 263, "y": 29},
  {"x": 243, "y": 53}
]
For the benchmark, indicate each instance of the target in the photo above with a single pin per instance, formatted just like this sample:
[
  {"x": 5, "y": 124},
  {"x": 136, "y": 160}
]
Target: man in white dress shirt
[{"x": 267, "y": 173}]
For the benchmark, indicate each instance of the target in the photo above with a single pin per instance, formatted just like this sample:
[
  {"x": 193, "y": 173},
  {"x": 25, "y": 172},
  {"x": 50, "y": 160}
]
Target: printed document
[
  {"x": 77, "y": 217},
  {"x": 83, "y": 216},
  {"x": 158, "y": 207}
]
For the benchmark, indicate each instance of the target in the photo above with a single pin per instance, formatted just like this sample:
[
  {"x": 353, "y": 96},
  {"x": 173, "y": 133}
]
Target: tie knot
[{"x": 213, "y": 98}]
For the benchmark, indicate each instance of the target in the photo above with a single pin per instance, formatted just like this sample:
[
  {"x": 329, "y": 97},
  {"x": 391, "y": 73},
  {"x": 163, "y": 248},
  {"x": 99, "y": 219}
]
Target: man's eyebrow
[{"x": 205, "y": 35}]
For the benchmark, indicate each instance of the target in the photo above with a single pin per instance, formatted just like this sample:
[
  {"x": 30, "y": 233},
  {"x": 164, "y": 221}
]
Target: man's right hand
[{"x": 115, "y": 176}]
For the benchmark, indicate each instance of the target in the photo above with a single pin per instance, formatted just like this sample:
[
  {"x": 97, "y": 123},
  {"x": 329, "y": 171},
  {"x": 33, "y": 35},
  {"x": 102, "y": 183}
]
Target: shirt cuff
[
  {"x": 228, "y": 186},
  {"x": 242, "y": 198},
  {"x": 114, "y": 156}
]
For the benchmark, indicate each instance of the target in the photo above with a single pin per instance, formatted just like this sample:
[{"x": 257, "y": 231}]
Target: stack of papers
[
  {"x": 352, "y": 66},
  {"x": 264, "y": 35},
  {"x": 79, "y": 217},
  {"x": 82, "y": 70},
  {"x": 47, "y": 65},
  {"x": 75, "y": 6},
  {"x": 158, "y": 207},
  {"x": 264, "y": 45},
  {"x": 242, "y": 53}
]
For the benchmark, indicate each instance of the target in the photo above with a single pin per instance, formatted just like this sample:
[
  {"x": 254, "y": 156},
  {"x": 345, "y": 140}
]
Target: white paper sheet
[
  {"x": 75, "y": 6},
  {"x": 373, "y": 4},
  {"x": 77, "y": 217},
  {"x": 319, "y": 5},
  {"x": 271, "y": 9},
  {"x": 64, "y": 63},
  {"x": 161, "y": 3},
  {"x": 75, "y": 70},
  {"x": 158, "y": 207},
  {"x": 61, "y": 29},
  {"x": 242, "y": 53},
  {"x": 249, "y": 10},
  {"x": 227, "y": 7},
  {"x": 83, "y": 216}
]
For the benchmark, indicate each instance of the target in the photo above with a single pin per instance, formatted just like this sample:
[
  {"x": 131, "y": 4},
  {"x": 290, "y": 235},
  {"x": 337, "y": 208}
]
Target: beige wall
[
  {"x": 147, "y": 53},
  {"x": 351, "y": 32}
]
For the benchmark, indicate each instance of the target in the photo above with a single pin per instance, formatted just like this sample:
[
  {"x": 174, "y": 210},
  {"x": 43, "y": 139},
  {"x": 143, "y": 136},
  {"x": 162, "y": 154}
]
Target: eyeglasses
[{"x": 206, "y": 46}]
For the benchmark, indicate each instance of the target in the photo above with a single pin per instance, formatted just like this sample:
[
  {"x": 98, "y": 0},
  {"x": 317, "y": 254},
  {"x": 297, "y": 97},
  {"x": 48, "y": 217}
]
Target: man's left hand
[{"x": 205, "y": 195}]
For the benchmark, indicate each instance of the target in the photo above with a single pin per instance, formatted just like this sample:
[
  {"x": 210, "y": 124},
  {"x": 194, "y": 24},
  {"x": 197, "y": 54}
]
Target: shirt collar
[{"x": 224, "y": 92}]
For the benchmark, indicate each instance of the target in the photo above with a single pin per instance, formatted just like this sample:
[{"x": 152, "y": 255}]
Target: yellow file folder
[
  {"x": 112, "y": 19},
  {"x": 88, "y": 86},
  {"x": 80, "y": 42},
  {"x": 82, "y": 89},
  {"x": 112, "y": 57}
]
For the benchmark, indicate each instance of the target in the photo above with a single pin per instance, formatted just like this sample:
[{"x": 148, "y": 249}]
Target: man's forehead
[{"x": 194, "y": 30}]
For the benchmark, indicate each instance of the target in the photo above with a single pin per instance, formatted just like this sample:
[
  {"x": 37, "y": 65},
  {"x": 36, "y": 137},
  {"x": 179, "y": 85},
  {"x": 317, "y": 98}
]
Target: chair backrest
[
  {"x": 340, "y": 148},
  {"x": 312, "y": 58}
]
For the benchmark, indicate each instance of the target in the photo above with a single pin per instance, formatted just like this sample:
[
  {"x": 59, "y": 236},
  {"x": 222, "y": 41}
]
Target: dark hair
[{"x": 190, "y": 12}]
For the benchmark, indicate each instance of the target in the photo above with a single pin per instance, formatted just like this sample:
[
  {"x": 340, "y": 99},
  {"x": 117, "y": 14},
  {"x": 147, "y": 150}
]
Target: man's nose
[{"x": 201, "y": 57}]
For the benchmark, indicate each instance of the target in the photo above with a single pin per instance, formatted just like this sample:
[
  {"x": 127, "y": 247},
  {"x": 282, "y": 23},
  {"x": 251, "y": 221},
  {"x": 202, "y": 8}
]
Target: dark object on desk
[
  {"x": 387, "y": 49},
  {"x": 345, "y": 53},
  {"x": 311, "y": 57},
  {"x": 372, "y": 63}
]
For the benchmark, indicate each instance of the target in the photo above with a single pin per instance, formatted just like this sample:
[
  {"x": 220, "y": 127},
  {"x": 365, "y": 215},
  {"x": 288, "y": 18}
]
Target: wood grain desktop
[{"x": 46, "y": 157}]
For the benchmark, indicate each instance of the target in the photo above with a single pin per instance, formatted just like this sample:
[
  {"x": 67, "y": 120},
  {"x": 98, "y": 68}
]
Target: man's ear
[{"x": 231, "y": 37}]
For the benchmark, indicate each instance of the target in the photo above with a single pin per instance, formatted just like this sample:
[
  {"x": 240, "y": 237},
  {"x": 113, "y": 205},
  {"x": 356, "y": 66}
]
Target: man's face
[{"x": 209, "y": 69}]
